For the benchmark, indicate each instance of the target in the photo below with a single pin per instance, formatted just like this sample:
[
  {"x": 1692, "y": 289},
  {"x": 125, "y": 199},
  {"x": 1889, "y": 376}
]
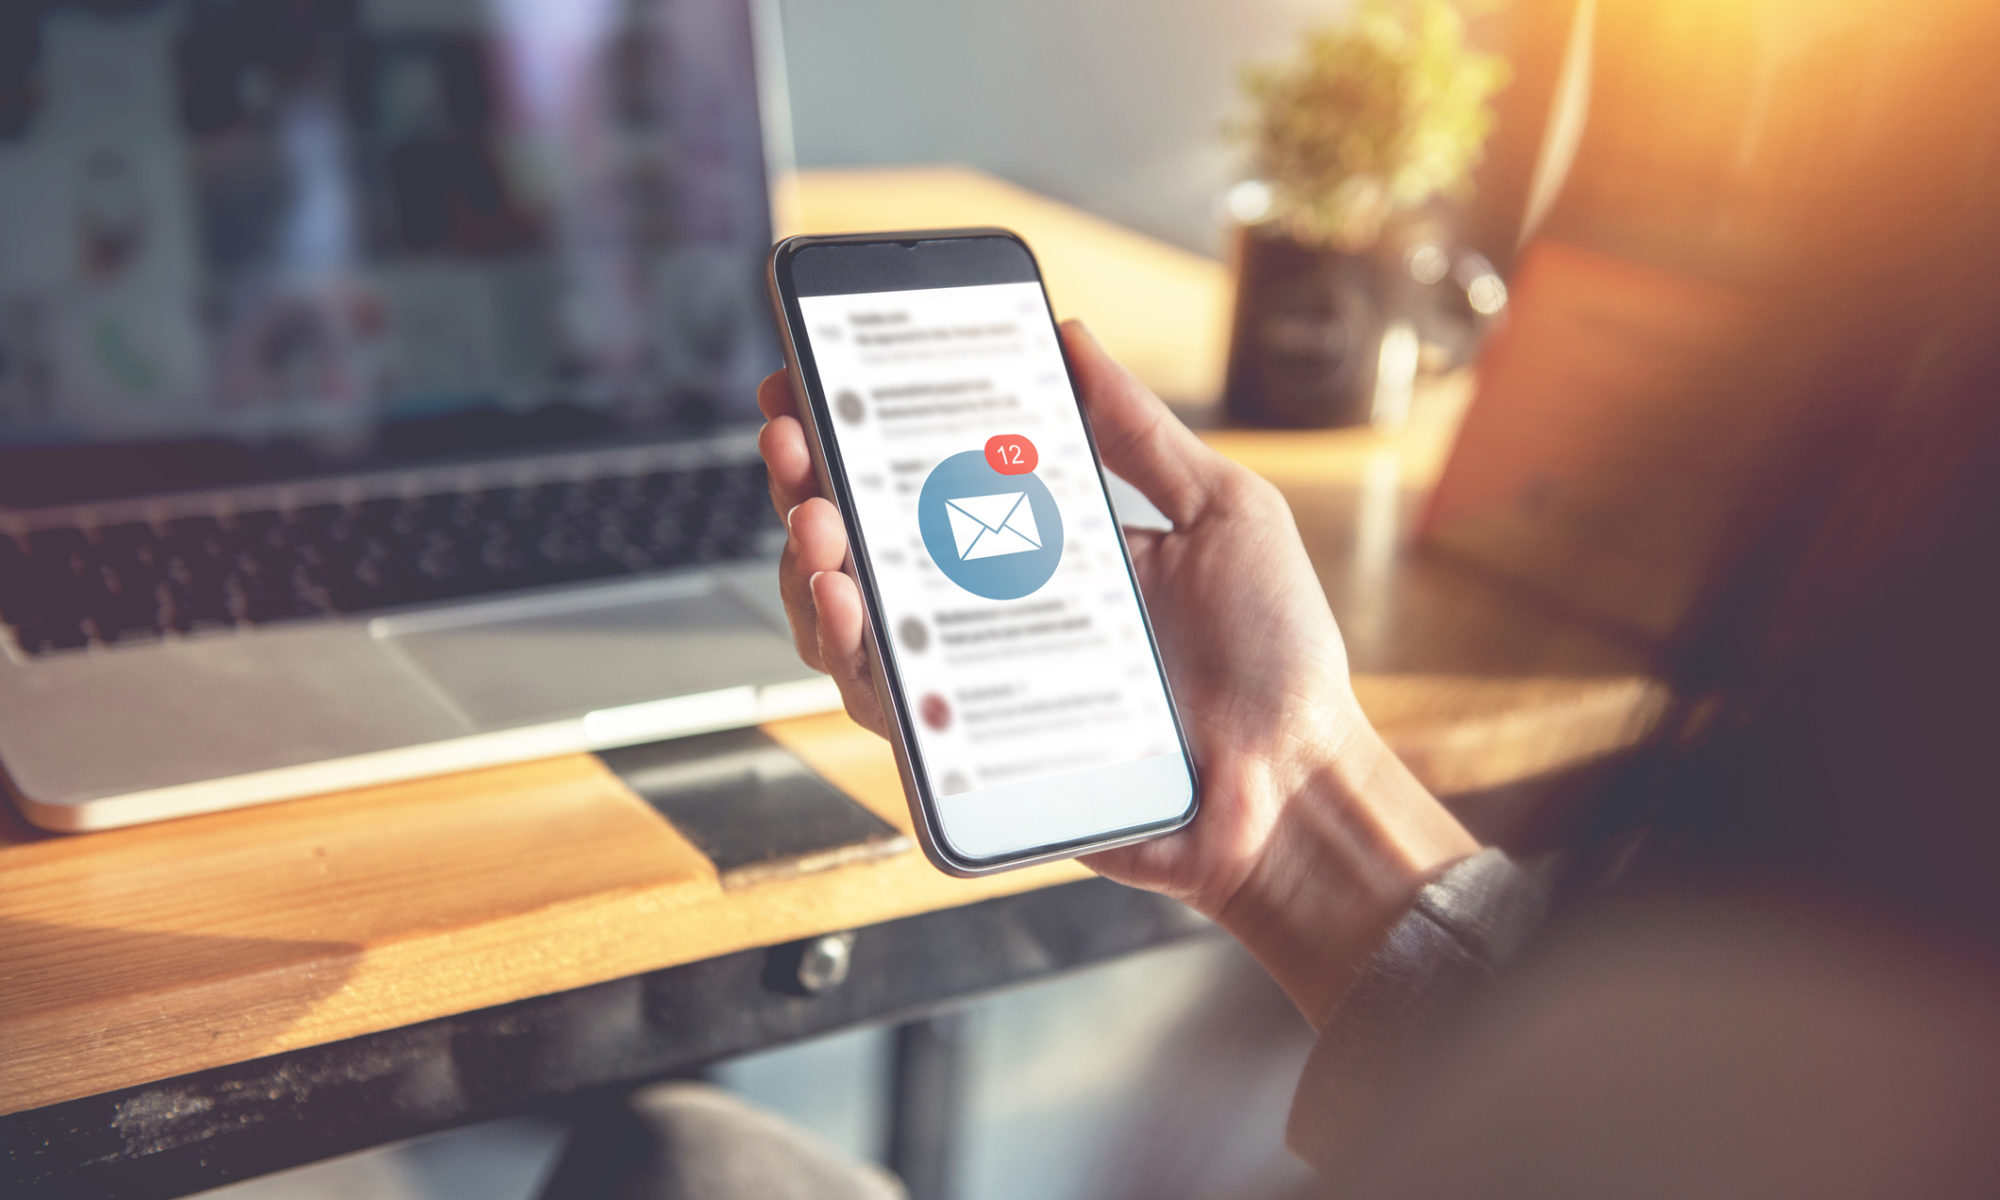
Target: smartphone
[{"x": 1028, "y": 706}]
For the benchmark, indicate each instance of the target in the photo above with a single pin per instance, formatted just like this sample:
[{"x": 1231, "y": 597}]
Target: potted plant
[{"x": 1371, "y": 120}]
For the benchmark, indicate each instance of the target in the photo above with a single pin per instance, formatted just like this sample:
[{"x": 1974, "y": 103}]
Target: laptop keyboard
[{"x": 65, "y": 588}]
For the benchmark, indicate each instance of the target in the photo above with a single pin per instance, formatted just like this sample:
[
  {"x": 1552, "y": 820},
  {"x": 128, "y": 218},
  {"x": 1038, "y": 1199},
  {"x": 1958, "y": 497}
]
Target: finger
[
  {"x": 1138, "y": 436},
  {"x": 776, "y": 397},
  {"x": 814, "y": 542},
  {"x": 782, "y": 442},
  {"x": 841, "y": 648}
]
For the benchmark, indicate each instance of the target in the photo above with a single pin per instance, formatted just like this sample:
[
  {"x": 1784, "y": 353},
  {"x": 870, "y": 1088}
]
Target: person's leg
[{"x": 690, "y": 1141}]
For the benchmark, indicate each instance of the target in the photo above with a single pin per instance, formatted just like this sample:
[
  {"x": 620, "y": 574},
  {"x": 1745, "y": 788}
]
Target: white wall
[{"x": 1114, "y": 105}]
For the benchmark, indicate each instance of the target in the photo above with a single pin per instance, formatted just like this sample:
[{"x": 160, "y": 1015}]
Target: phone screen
[{"x": 1032, "y": 690}]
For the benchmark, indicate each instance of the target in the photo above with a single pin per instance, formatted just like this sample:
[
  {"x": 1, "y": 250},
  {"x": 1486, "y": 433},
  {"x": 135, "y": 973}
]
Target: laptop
[{"x": 377, "y": 392}]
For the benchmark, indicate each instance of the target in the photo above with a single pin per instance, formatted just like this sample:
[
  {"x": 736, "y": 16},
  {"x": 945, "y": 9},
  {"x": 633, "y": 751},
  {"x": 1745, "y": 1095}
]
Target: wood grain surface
[
  {"x": 1161, "y": 310},
  {"x": 138, "y": 954}
]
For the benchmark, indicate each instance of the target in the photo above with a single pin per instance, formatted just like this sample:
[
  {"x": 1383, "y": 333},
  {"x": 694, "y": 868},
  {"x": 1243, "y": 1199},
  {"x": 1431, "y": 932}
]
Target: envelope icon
[{"x": 988, "y": 526}]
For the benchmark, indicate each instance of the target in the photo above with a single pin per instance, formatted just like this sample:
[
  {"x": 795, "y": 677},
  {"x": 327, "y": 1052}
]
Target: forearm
[{"x": 1353, "y": 844}]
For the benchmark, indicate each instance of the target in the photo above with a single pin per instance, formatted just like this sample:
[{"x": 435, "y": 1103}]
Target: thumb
[{"x": 1139, "y": 437}]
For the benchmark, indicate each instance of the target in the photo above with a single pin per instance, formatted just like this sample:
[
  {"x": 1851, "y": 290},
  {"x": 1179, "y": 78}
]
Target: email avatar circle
[{"x": 997, "y": 536}]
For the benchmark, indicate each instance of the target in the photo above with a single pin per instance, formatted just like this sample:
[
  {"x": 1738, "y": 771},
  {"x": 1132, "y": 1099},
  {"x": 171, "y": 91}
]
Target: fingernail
[
  {"x": 791, "y": 515},
  {"x": 812, "y": 581}
]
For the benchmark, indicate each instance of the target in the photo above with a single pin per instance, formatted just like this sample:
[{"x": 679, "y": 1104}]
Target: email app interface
[{"x": 1013, "y": 621}]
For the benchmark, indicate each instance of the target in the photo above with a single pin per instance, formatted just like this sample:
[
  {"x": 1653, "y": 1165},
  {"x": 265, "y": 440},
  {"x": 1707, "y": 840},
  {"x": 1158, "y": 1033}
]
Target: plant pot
[{"x": 1306, "y": 339}]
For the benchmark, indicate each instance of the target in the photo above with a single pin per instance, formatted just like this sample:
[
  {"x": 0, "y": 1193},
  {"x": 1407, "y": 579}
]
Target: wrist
[{"x": 1355, "y": 840}]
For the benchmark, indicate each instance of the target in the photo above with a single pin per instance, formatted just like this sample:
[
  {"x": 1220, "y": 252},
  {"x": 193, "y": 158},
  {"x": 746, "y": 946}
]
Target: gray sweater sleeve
[{"x": 1464, "y": 925}]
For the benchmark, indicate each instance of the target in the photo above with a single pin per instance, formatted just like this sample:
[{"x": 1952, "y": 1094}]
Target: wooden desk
[{"x": 140, "y": 954}]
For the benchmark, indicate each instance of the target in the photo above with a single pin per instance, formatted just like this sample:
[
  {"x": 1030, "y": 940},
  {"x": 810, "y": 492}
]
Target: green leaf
[{"x": 1373, "y": 115}]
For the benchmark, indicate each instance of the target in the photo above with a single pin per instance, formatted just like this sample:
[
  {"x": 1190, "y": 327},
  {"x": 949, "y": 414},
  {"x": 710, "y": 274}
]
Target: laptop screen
[{"x": 257, "y": 239}]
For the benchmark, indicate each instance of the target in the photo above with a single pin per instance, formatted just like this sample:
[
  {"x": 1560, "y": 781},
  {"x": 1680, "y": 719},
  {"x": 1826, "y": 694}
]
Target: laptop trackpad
[{"x": 544, "y": 658}]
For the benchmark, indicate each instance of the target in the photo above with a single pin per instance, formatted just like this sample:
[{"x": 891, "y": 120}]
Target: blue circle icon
[{"x": 997, "y": 536}]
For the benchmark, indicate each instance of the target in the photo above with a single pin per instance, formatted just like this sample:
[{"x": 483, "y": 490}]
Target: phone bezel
[{"x": 878, "y": 272}]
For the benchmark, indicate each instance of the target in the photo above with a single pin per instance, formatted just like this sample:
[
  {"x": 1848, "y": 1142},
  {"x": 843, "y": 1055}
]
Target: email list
[{"x": 1009, "y": 613}]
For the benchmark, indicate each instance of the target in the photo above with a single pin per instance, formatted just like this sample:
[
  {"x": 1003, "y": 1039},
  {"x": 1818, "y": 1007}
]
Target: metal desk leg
[{"x": 927, "y": 1097}]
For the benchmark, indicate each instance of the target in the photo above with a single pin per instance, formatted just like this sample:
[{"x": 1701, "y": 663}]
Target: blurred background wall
[{"x": 1116, "y": 106}]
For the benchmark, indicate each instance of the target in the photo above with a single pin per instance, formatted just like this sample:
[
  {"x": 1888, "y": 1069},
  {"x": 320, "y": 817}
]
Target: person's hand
[{"x": 1309, "y": 830}]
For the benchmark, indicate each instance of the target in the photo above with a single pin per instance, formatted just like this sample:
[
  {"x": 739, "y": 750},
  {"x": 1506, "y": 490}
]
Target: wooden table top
[{"x": 139, "y": 954}]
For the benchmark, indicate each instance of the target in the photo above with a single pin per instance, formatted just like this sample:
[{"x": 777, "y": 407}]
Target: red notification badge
[{"x": 1011, "y": 454}]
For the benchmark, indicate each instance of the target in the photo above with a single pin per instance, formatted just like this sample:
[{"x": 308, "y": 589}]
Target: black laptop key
[
  {"x": 128, "y": 540},
  {"x": 133, "y": 554},
  {"x": 355, "y": 589},
  {"x": 630, "y": 493},
  {"x": 659, "y": 533},
  {"x": 265, "y": 600},
  {"x": 557, "y": 499},
  {"x": 256, "y": 530},
  {"x": 59, "y": 569},
  {"x": 672, "y": 488},
  {"x": 258, "y": 588},
  {"x": 198, "y": 542},
  {"x": 511, "y": 507},
  {"x": 196, "y": 584},
  {"x": 61, "y": 550},
  {"x": 473, "y": 511},
  {"x": 494, "y": 549},
  {"x": 440, "y": 571},
  {"x": 745, "y": 479},
  {"x": 56, "y": 578},
  {"x": 44, "y": 636},
  {"x": 376, "y": 579},
  {"x": 118, "y": 599},
  {"x": 581, "y": 499},
  {"x": 187, "y": 602},
  {"x": 14, "y": 591},
  {"x": 265, "y": 555},
  {"x": 307, "y": 591},
  {"x": 565, "y": 551},
  {"x": 377, "y": 514}
]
